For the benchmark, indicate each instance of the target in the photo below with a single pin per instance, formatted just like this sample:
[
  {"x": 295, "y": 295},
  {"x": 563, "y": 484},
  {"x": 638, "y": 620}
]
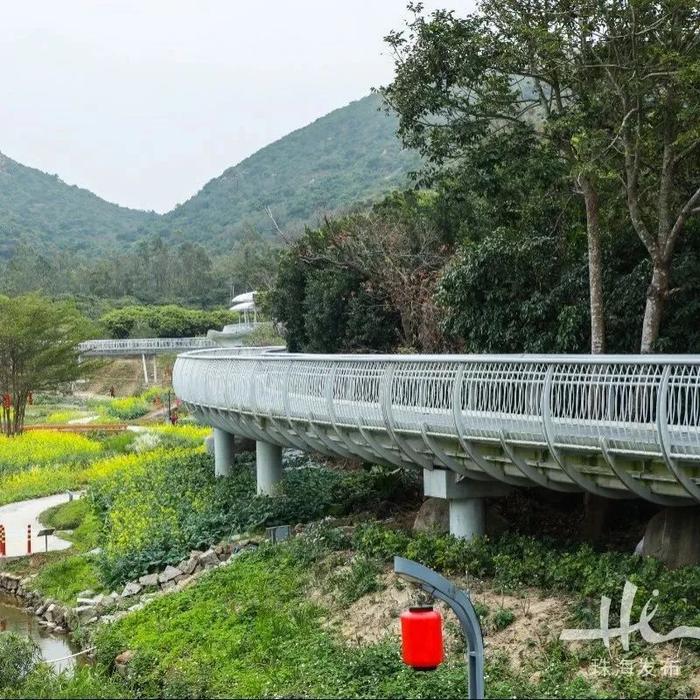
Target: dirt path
[{"x": 16, "y": 516}]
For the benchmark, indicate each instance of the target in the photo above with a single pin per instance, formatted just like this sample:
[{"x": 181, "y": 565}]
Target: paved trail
[{"x": 16, "y": 516}]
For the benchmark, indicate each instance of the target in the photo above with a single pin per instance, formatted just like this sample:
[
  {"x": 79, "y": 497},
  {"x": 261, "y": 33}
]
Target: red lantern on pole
[{"x": 421, "y": 638}]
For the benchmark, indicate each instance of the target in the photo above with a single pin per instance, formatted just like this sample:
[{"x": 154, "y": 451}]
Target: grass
[
  {"x": 71, "y": 571},
  {"x": 66, "y": 516},
  {"x": 252, "y": 630}
]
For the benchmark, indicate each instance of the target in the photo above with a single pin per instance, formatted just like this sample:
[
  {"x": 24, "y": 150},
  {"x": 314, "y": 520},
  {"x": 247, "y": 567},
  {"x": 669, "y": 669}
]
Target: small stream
[{"x": 13, "y": 618}]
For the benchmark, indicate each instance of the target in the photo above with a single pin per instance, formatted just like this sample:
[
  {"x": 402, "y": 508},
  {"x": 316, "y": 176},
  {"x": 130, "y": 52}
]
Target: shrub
[
  {"x": 18, "y": 657},
  {"x": 128, "y": 408}
]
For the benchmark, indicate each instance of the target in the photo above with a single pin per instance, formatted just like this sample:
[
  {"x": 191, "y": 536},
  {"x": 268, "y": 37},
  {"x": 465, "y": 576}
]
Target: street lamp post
[{"x": 439, "y": 587}]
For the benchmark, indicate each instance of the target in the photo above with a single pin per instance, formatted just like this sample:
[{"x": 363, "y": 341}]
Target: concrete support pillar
[
  {"x": 155, "y": 371},
  {"x": 467, "y": 517},
  {"x": 223, "y": 452},
  {"x": 465, "y": 498},
  {"x": 268, "y": 462},
  {"x": 145, "y": 369}
]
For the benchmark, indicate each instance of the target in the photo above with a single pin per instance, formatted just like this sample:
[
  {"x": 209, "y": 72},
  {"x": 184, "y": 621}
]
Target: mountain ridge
[{"x": 347, "y": 157}]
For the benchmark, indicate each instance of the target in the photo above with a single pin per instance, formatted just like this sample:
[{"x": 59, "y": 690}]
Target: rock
[
  {"x": 122, "y": 661},
  {"x": 131, "y": 588},
  {"x": 39, "y": 612},
  {"x": 208, "y": 559},
  {"x": 136, "y": 607},
  {"x": 86, "y": 594},
  {"x": 433, "y": 516},
  {"x": 60, "y": 630},
  {"x": 190, "y": 566},
  {"x": 97, "y": 600},
  {"x": 149, "y": 580},
  {"x": 209, "y": 444},
  {"x": 168, "y": 587},
  {"x": 170, "y": 573},
  {"x": 85, "y": 612},
  {"x": 97, "y": 550},
  {"x": 672, "y": 537},
  {"x": 49, "y": 614}
]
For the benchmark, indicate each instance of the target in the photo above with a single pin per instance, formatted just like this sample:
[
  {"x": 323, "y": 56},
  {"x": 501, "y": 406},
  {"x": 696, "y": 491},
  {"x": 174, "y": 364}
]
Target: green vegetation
[
  {"x": 166, "y": 503},
  {"x": 515, "y": 562},
  {"x": 45, "y": 212},
  {"x": 344, "y": 158},
  {"x": 66, "y": 516},
  {"x": 162, "y": 321},
  {"x": 43, "y": 447},
  {"x": 251, "y": 630},
  {"x": 38, "y": 352},
  {"x": 128, "y": 408}
]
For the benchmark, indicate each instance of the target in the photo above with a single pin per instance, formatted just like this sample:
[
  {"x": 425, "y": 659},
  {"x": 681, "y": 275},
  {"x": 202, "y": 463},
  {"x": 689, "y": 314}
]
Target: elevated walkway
[{"x": 615, "y": 426}]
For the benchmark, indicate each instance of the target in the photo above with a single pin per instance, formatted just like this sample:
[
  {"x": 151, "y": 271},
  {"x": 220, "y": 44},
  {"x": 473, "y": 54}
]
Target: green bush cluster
[
  {"x": 170, "y": 321},
  {"x": 127, "y": 408},
  {"x": 170, "y": 502}
]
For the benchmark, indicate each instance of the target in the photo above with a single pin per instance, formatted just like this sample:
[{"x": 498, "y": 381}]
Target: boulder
[
  {"x": 208, "y": 559},
  {"x": 49, "y": 613},
  {"x": 122, "y": 661},
  {"x": 672, "y": 537},
  {"x": 131, "y": 588},
  {"x": 86, "y": 594},
  {"x": 189, "y": 566},
  {"x": 433, "y": 516},
  {"x": 85, "y": 612},
  {"x": 149, "y": 580},
  {"x": 170, "y": 573}
]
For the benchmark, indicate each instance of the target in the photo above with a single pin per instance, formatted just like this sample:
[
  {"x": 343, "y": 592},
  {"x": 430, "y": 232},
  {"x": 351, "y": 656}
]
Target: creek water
[{"x": 13, "y": 618}]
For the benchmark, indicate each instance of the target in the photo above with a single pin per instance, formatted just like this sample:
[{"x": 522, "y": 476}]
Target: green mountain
[
  {"x": 348, "y": 157},
  {"x": 44, "y": 211}
]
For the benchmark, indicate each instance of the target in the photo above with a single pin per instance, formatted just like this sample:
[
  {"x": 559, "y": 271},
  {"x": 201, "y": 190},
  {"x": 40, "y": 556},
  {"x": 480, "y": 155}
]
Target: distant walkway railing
[
  {"x": 142, "y": 346},
  {"x": 615, "y": 426}
]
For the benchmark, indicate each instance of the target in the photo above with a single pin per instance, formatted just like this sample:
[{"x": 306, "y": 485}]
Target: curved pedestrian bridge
[{"x": 615, "y": 426}]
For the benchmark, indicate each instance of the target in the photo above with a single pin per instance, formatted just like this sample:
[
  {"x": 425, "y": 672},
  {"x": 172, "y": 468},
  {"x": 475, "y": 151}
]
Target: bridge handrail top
[{"x": 275, "y": 354}]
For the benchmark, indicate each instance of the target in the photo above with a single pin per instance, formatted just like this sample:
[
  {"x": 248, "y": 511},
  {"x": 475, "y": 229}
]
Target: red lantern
[
  {"x": 421, "y": 638},
  {"x": 7, "y": 401}
]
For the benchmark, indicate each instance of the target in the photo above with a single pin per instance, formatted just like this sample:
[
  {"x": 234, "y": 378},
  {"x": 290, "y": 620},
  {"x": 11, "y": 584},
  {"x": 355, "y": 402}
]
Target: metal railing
[
  {"x": 612, "y": 425},
  {"x": 141, "y": 346}
]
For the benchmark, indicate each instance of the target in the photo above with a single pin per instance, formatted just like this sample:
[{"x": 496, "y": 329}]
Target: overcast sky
[{"x": 144, "y": 101}]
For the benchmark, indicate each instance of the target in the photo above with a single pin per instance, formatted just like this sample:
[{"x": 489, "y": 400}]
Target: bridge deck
[{"x": 609, "y": 424}]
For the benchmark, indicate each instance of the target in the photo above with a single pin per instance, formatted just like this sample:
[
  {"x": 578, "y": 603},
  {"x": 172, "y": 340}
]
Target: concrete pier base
[
  {"x": 268, "y": 463},
  {"x": 223, "y": 452},
  {"x": 467, "y": 517},
  {"x": 465, "y": 498}
]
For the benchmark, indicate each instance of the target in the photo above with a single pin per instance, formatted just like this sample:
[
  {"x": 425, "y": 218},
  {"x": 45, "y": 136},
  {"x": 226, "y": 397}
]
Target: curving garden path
[{"x": 16, "y": 516}]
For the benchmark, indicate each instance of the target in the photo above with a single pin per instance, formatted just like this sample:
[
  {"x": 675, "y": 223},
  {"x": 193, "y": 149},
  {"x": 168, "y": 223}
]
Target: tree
[
  {"x": 646, "y": 56},
  {"x": 512, "y": 64},
  {"x": 611, "y": 85},
  {"x": 38, "y": 351}
]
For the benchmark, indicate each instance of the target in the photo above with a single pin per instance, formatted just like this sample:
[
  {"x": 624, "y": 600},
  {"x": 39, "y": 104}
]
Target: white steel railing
[
  {"x": 611, "y": 425},
  {"x": 141, "y": 346}
]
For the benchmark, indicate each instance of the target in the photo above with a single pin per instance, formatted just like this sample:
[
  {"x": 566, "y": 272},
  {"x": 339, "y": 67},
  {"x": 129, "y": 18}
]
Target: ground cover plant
[
  {"x": 253, "y": 629},
  {"x": 42, "y": 447},
  {"x": 167, "y": 503}
]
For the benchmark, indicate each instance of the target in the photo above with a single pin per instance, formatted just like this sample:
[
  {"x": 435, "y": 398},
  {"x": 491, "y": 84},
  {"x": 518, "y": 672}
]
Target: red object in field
[
  {"x": 29, "y": 539},
  {"x": 3, "y": 547},
  {"x": 6, "y": 401},
  {"x": 421, "y": 638}
]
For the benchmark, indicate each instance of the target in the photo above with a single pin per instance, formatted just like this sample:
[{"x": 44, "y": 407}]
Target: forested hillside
[
  {"x": 43, "y": 210},
  {"x": 345, "y": 158}
]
